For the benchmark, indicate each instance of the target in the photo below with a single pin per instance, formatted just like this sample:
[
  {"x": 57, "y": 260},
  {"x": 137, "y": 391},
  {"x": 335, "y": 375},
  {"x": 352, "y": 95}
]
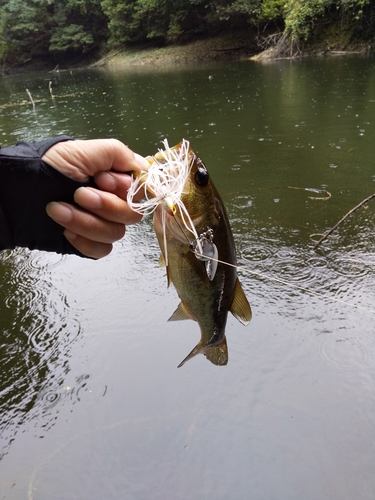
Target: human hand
[{"x": 103, "y": 213}]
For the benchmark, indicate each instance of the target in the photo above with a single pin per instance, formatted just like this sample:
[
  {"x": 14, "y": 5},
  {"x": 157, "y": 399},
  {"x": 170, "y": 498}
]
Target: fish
[{"x": 196, "y": 243}]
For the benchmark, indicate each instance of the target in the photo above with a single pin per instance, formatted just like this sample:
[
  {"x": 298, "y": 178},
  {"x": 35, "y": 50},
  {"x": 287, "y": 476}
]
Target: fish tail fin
[{"x": 217, "y": 354}]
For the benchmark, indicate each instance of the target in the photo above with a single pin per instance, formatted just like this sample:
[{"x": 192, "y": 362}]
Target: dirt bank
[
  {"x": 232, "y": 46},
  {"x": 225, "y": 47}
]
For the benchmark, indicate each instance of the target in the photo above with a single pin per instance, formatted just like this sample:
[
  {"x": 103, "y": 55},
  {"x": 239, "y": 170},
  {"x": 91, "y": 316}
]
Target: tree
[
  {"x": 43, "y": 27},
  {"x": 23, "y": 29},
  {"x": 158, "y": 20}
]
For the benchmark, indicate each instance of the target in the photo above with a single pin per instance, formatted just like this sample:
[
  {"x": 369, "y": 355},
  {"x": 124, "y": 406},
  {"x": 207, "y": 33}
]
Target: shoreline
[
  {"x": 212, "y": 50},
  {"x": 235, "y": 46},
  {"x": 232, "y": 46}
]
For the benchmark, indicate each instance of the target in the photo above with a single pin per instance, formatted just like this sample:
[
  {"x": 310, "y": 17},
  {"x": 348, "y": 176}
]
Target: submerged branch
[
  {"x": 31, "y": 99},
  {"x": 325, "y": 236}
]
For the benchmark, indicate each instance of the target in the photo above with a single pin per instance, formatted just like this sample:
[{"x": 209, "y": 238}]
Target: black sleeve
[{"x": 27, "y": 184}]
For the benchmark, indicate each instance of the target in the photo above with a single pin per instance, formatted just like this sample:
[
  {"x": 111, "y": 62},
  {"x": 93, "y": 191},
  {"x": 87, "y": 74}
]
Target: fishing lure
[{"x": 163, "y": 184}]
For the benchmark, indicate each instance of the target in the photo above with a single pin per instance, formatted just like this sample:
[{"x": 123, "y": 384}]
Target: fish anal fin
[
  {"x": 180, "y": 313},
  {"x": 198, "y": 349},
  {"x": 217, "y": 354},
  {"x": 162, "y": 260},
  {"x": 240, "y": 307}
]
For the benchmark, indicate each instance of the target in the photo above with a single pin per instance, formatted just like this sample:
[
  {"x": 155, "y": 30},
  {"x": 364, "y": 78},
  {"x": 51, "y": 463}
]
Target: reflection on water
[
  {"x": 88, "y": 357},
  {"x": 36, "y": 332}
]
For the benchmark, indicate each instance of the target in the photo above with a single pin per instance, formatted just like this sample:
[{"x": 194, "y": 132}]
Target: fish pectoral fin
[
  {"x": 240, "y": 307},
  {"x": 217, "y": 354},
  {"x": 180, "y": 313}
]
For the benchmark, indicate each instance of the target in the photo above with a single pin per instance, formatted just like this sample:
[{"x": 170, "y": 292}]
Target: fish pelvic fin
[
  {"x": 240, "y": 307},
  {"x": 180, "y": 313},
  {"x": 162, "y": 263},
  {"x": 217, "y": 354}
]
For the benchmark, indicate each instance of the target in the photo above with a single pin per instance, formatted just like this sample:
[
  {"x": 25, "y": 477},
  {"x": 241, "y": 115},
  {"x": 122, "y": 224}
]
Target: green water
[{"x": 92, "y": 404}]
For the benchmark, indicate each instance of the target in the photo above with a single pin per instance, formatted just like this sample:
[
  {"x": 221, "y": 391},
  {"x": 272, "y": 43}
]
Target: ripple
[
  {"x": 50, "y": 398},
  {"x": 85, "y": 390},
  {"x": 317, "y": 261},
  {"x": 90, "y": 392},
  {"x": 344, "y": 351},
  {"x": 350, "y": 267},
  {"x": 35, "y": 346},
  {"x": 297, "y": 272},
  {"x": 291, "y": 265},
  {"x": 38, "y": 260},
  {"x": 257, "y": 252}
]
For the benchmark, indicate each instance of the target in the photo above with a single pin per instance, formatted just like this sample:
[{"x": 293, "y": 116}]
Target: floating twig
[
  {"x": 325, "y": 236},
  {"x": 326, "y": 194}
]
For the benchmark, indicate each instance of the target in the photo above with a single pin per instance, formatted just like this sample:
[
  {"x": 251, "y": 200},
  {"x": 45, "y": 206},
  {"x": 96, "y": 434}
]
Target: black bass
[{"x": 197, "y": 246}]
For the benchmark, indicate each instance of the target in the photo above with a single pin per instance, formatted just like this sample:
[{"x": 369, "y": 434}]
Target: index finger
[{"x": 81, "y": 159}]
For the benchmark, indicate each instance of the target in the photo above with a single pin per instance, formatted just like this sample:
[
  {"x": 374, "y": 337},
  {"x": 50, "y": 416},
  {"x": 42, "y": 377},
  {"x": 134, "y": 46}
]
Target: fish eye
[{"x": 201, "y": 177}]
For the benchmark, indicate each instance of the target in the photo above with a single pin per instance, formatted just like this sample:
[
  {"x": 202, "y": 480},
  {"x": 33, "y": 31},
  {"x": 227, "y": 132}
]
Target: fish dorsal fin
[
  {"x": 180, "y": 313},
  {"x": 217, "y": 354},
  {"x": 240, "y": 307}
]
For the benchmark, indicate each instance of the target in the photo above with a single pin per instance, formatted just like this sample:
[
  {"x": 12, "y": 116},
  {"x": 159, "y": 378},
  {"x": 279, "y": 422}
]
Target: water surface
[{"x": 92, "y": 404}]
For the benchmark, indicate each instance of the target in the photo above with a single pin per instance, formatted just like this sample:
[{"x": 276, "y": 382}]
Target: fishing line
[
  {"x": 272, "y": 278},
  {"x": 164, "y": 184},
  {"x": 287, "y": 283}
]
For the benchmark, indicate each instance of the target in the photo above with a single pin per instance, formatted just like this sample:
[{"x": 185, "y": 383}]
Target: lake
[{"x": 92, "y": 403}]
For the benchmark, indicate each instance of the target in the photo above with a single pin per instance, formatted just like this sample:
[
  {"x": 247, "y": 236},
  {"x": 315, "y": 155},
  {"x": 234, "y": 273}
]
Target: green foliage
[
  {"x": 23, "y": 28},
  {"x": 237, "y": 8},
  {"x": 160, "y": 20},
  {"x": 300, "y": 15},
  {"x": 45, "y": 27},
  {"x": 70, "y": 37},
  {"x": 42, "y": 27},
  {"x": 270, "y": 10}
]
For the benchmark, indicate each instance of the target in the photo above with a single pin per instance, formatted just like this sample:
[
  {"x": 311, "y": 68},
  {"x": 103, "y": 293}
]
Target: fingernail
[
  {"x": 59, "y": 212},
  {"x": 87, "y": 198},
  {"x": 142, "y": 162}
]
